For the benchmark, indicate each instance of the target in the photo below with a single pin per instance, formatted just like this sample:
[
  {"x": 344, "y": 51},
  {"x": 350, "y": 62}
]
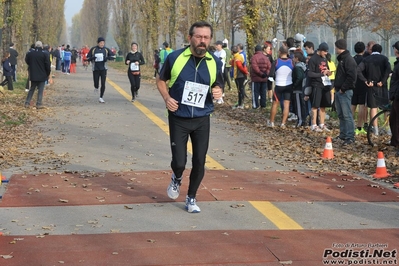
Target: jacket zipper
[{"x": 195, "y": 80}]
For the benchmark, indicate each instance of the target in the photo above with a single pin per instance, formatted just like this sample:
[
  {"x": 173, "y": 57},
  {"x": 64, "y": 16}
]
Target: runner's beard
[{"x": 200, "y": 49}]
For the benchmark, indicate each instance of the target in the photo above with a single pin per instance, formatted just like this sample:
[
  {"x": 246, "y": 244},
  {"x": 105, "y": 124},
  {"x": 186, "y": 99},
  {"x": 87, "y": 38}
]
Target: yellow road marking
[
  {"x": 275, "y": 215},
  {"x": 210, "y": 162}
]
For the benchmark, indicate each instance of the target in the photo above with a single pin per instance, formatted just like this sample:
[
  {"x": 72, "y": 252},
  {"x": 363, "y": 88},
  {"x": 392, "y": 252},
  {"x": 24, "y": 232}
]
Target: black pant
[
  {"x": 8, "y": 82},
  {"x": 96, "y": 77},
  {"x": 299, "y": 107},
  {"x": 226, "y": 75},
  {"x": 394, "y": 123},
  {"x": 14, "y": 73},
  {"x": 134, "y": 83},
  {"x": 240, "y": 90},
  {"x": 198, "y": 129}
]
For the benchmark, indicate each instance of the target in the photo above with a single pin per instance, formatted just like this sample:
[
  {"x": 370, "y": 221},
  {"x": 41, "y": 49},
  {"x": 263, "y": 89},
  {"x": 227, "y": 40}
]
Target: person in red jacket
[{"x": 260, "y": 68}]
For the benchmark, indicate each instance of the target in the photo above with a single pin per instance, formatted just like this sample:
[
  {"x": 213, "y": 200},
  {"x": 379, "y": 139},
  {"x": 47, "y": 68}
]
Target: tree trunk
[{"x": 7, "y": 25}]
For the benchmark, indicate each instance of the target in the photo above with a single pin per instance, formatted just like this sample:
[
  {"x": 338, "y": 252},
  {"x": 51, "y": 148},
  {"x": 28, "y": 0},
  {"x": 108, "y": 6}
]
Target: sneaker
[
  {"x": 101, "y": 100},
  {"x": 315, "y": 128},
  {"x": 26, "y": 90},
  {"x": 173, "y": 190},
  {"x": 292, "y": 118},
  {"x": 324, "y": 128},
  {"x": 360, "y": 132},
  {"x": 270, "y": 124},
  {"x": 374, "y": 130},
  {"x": 282, "y": 125},
  {"x": 348, "y": 142},
  {"x": 240, "y": 107},
  {"x": 133, "y": 99},
  {"x": 191, "y": 205},
  {"x": 95, "y": 90}
]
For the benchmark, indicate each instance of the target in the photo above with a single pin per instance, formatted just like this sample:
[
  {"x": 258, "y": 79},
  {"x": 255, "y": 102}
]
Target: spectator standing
[
  {"x": 134, "y": 59},
  {"x": 13, "y": 61},
  {"x": 7, "y": 71},
  {"x": 164, "y": 53},
  {"x": 156, "y": 63},
  {"x": 374, "y": 71},
  {"x": 360, "y": 94},
  {"x": 260, "y": 69},
  {"x": 298, "y": 77},
  {"x": 67, "y": 60},
  {"x": 221, "y": 54},
  {"x": 394, "y": 97},
  {"x": 319, "y": 73},
  {"x": 57, "y": 56},
  {"x": 240, "y": 75},
  {"x": 74, "y": 58},
  {"x": 227, "y": 67},
  {"x": 333, "y": 69},
  {"x": 39, "y": 71},
  {"x": 190, "y": 116},
  {"x": 344, "y": 84},
  {"x": 267, "y": 50},
  {"x": 99, "y": 55},
  {"x": 281, "y": 72}
]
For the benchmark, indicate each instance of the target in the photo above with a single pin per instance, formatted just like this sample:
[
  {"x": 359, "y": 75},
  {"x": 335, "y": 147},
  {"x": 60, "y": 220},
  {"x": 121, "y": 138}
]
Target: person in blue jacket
[
  {"x": 195, "y": 79},
  {"x": 8, "y": 71}
]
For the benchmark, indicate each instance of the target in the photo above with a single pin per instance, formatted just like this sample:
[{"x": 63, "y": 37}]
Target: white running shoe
[
  {"x": 173, "y": 189},
  {"x": 270, "y": 124},
  {"x": 315, "y": 128},
  {"x": 292, "y": 118},
  {"x": 95, "y": 90},
  {"x": 101, "y": 100},
  {"x": 191, "y": 205},
  {"x": 324, "y": 128}
]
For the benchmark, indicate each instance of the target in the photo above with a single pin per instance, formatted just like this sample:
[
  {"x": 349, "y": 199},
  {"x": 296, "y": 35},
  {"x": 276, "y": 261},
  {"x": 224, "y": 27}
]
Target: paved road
[{"x": 104, "y": 202}]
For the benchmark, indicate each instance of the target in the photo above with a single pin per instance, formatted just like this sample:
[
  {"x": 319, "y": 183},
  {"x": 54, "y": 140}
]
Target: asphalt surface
[{"x": 104, "y": 201}]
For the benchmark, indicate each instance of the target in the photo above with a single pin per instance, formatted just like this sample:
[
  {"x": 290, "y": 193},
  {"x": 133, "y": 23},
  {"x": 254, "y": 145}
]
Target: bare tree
[
  {"x": 385, "y": 25},
  {"x": 124, "y": 18},
  {"x": 340, "y": 15}
]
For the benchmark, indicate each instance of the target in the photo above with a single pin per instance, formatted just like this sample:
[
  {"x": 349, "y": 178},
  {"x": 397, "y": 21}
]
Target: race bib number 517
[{"x": 194, "y": 94}]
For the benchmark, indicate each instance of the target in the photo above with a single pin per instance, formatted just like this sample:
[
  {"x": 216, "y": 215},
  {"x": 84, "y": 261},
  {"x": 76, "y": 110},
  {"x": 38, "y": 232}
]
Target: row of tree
[
  {"x": 150, "y": 22},
  {"x": 26, "y": 21}
]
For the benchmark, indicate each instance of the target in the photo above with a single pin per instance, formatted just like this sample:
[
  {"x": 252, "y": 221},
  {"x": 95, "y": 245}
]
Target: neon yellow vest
[{"x": 182, "y": 60}]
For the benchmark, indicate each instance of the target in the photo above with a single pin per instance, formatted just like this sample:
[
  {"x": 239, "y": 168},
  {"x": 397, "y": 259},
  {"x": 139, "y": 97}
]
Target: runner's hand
[
  {"x": 217, "y": 92},
  {"x": 171, "y": 104}
]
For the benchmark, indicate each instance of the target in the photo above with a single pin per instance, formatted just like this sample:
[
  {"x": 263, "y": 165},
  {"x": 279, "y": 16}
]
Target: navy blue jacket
[
  {"x": 7, "y": 70},
  {"x": 195, "y": 70}
]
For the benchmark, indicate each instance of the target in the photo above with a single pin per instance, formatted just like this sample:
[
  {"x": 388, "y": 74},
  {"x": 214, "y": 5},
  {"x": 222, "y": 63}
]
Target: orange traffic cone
[
  {"x": 381, "y": 171},
  {"x": 3, "y": 179},
  {"x": 328, "y": 150}
]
